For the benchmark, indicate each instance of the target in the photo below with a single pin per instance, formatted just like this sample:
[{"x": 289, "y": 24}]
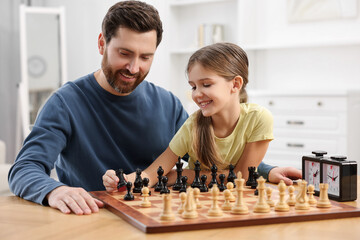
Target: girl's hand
[{"x": 110, "y": 181}]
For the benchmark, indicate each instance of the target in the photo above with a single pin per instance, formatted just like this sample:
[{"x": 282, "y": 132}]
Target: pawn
[
  {"x": 183, "y": 184},
  {"x": 291, "y": 201},
  {"x": 196, "y": 197},
  {"x": 282, "y": 206},
  {"x": 164, "y": 188},
  {"x": 312, "y": 200},
  {"x": 182, "y": 196},
  {"x": 268, "y": 197},
  {"x": 221, "y": 185},
  {"x": 324, "y": 201},
  {"x": 145, "y": 183},
  {"x": 215, "y": 210},
  {"x": 227, "y": 205},
  {"x": 145, "y": 194},
  {"x": 203, "y": 187},
  {"x": 128, "y": 196},
  {"x": 138, "y": 182},
  {"x": 167, "y": 213},
  {"x": 230, "y": 186}
]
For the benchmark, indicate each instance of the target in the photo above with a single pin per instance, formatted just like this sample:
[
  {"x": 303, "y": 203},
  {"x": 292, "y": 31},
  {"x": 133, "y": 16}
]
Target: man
[{"x": 109, "y": 119}]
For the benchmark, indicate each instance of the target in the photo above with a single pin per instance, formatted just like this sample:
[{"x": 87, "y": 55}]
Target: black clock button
[
  {"x": 338, "y": 158},
  {"x": 319, "y": 153}
]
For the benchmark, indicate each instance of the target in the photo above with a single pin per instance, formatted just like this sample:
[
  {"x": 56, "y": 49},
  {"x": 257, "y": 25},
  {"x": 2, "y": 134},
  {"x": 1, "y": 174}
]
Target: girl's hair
[
  {"x": 228, "y": 61},
  {"x": 135, "y": 15}
]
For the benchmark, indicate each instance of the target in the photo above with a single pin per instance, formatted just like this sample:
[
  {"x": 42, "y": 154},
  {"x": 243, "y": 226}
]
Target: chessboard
[{"x": 148, "y": 219}]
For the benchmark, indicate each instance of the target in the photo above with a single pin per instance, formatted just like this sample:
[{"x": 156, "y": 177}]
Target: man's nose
[{"x": 133, "y": 66}]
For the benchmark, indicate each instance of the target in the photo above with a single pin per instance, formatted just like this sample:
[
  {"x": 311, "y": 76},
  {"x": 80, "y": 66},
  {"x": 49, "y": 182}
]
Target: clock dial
[
  {"x": 314, "y": 174},
  {"x": 332, "y": 177}
]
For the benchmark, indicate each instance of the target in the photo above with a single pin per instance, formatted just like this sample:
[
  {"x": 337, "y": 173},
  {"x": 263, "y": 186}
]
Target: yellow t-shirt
[{"x": 255, "y": 124}]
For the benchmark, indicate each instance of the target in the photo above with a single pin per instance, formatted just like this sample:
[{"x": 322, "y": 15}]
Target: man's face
[{"x": 127, "y": 59}]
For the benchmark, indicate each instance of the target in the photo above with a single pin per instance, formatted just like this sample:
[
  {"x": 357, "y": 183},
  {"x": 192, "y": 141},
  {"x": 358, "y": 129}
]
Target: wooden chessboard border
[{"x": 149, "y": 225}]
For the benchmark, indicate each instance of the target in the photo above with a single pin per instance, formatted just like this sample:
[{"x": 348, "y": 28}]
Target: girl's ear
[
  {"x": 101, "y": 43},
  {"x": 237, "y": 84}
]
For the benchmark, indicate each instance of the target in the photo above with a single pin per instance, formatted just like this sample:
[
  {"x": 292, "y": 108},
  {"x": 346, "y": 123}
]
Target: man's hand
[
  {"x": 76, "y": 200},
  {"x": 110, "y": 181},
  {"x": 284, "y": 173}
]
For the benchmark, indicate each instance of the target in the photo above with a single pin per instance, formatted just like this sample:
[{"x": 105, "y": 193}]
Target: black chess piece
[
  {"x": 138, "y": 182},
  {"x": 122, "y": 182},
  {"x": 203, "y": 187},
  {"x": 213, "y": 176},
  {"x": 179, "y": 170},
  {"x": 196, "y": 183},
  {"x": 128, "y": 196},
  {"x": 222, "y": 186},
  {"x": 164, "y": 185},
  {"x": 256, "y": 176},
  {"x": 232, "y": 176},
  {"x": 184, "y": 183},
  {"x": 145, "y": 183},
  {"x": 251, "y": 180},
  {"x": 158, "y": 185}
]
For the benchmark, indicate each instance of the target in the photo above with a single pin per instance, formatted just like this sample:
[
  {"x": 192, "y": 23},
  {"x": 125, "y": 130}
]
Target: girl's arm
[
  {"x": 166, "y": 160},
  {"x": 253, "y": 154}
]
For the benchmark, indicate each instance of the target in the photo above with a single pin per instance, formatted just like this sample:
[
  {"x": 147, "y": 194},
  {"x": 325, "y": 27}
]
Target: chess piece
[
  {"x": 182, "y": 196},
  {"x": 145, "y": 194},
  {"x": 145, "y": 183},
  {"x": 138, "y": 181},
  {"x": 196, "y": 183},
  {"x": 189, "y": 208},
  {"x": 239, "y": 207},
  {"x": 184, "y": 184},
  {"x": 268, "y": 197},
  {"x": 128, "y": 196},
  {"x": 122, "y": 182},
  {"x": 230, "y": 186},
  {"x": 222, "y": 186},
  {"x": 203, "y": 187},
  {"x": 164, "y": 189},
  {"x": 213, "y": 176},
  {"x": 227, "y": 205},
  {"x": 261, "y": 205},
  {"x": 158, "y": 185},
  {"x": 291, "y": 200},
  {"x": 215, "y": 210},
  {"x": 301, "y": 201},
  {"x": 251, "y": 179},
  {"x": 167, "y": 213},
  {"x": 312, "y": 200},
  {"x": 282, "y": 206},
  {"x": 196, "y": 198},
  {"x": 323, "y": 201},
  {"x": 179, "y": 170},
  {"x": 232, "y": 176}
]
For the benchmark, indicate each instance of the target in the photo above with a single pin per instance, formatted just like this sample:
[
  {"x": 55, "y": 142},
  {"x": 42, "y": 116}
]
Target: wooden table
[{"x": 21, "y": 219}]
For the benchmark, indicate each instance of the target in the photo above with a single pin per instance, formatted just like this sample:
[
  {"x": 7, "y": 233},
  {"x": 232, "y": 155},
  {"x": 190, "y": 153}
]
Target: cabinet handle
[
  {"x": 295, "y": 145},
  {"x": 289, "y": 122}
]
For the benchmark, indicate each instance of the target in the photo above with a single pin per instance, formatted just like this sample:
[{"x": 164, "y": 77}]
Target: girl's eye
[
  {"x": 193, "y": 88},
  {"x": 206, "y": 85}
]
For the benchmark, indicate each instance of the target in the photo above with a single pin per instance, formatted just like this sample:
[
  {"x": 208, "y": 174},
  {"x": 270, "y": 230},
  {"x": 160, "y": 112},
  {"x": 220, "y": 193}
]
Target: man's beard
[{"x": 114, "y": 79}]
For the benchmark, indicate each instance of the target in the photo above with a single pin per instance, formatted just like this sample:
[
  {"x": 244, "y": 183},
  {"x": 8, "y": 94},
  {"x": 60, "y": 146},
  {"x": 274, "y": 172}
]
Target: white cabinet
[{"x": 304, "y": 122}]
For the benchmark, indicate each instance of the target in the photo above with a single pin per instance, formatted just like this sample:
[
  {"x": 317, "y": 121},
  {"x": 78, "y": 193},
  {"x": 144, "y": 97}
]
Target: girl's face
[{"x": 211, "y": 92}]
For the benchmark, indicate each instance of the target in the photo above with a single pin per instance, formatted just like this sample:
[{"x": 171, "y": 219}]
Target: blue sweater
[{"x": 84, "y": 130}]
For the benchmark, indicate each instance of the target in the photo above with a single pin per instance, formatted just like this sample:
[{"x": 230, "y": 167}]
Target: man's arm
[{"x": 275, "y": 174}]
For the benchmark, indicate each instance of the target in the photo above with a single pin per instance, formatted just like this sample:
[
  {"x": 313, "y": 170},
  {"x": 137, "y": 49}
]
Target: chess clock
[
  {"x": 311, "y": 169},
  {"x": 340, "y": 174}
]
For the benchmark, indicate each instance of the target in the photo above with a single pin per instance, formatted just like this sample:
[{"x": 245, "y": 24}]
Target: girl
[{"x": 224, "y": 130}]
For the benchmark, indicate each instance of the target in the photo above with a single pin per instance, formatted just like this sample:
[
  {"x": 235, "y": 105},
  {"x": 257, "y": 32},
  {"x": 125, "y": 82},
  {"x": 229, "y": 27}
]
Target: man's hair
[{"x": 135, "y": 15}]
